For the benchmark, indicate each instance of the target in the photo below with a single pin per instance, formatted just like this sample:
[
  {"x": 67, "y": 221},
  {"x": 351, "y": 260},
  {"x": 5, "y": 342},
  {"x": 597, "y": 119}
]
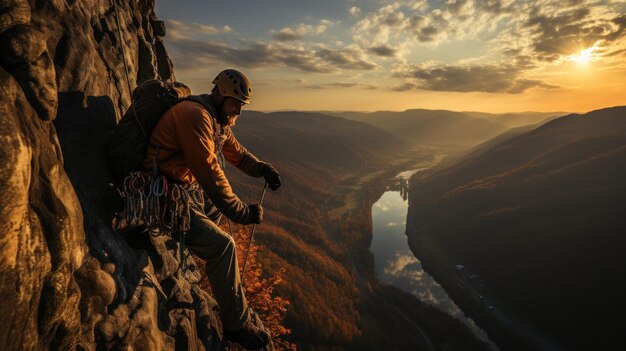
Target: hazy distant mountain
[
  {"x": 320, "y": 139},
  {"x": 540, "y": 217},
  {"x": 433, "y": 127},
  {"x": 516, "y": 119},
  {"x": 478, "y": 150}
]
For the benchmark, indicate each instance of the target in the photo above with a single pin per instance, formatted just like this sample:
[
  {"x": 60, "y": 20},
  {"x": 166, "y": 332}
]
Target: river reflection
[{"x": 395, "y": 262}]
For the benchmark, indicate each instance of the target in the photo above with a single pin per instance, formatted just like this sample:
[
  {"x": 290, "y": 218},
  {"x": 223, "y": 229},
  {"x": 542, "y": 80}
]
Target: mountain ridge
[
  {"x": 431, "y": 127},
  {"x": 535, "y": 203}
]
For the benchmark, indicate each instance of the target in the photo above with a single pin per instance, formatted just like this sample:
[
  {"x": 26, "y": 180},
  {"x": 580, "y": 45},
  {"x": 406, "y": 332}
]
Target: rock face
[{"x": 68, "y": 281}]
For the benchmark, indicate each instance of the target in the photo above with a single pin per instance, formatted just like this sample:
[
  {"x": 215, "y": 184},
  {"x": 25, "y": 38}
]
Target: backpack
[{"x": 129, "y": 143}]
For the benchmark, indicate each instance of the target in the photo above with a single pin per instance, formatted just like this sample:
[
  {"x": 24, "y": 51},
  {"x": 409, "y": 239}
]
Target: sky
[{"x": 461, "y": 55}]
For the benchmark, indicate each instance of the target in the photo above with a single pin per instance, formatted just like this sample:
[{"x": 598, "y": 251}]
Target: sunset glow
[
  {"x": 496, "y": 56},
  {"x": 582, "y": 57}
]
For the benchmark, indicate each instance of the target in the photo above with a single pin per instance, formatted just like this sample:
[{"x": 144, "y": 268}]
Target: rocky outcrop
[{"x": 68, "y": 281}]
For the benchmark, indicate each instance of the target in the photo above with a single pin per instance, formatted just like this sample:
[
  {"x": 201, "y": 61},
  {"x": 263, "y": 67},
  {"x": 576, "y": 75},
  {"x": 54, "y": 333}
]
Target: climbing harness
[{"x": 158, "y": 205}]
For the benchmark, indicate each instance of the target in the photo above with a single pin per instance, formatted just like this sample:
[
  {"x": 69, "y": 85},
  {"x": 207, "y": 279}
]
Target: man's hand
[
  {"x": 256, "y": 213},
  {"x": 272, "y": 178}
]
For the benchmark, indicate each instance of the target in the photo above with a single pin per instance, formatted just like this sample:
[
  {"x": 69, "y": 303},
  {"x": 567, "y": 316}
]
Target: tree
[{"x": 258, "y": 288}]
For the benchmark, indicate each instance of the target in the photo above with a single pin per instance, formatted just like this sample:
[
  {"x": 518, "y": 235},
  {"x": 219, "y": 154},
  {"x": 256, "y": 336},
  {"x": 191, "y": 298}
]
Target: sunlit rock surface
[{"x": 68, "y": 282}]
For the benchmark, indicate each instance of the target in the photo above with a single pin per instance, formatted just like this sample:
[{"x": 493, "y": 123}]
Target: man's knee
[
  {"x": 222, "y": 250},
  {"x": 229, "y": 243},
  {"x": 226, "y": 244},
  {"x": 209, "y": 242}
]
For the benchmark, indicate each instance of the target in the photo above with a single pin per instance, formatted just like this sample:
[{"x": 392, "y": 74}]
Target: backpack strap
[
  {"x": 205, "y": 100},
  {"x": 156, "y": 162}
]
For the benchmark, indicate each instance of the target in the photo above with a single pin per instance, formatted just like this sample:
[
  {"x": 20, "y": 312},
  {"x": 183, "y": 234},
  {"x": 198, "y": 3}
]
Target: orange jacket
[{"x": 189, "y": 140}]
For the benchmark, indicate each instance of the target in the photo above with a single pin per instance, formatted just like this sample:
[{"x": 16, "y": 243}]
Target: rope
[
  {"x": 243, "y": 270},
  {"x": 181, "y": 246},
  {"x": 130, "y": 92}
]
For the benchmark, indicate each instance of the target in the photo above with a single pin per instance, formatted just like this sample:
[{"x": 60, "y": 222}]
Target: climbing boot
[{"x": 250, "y": 336}]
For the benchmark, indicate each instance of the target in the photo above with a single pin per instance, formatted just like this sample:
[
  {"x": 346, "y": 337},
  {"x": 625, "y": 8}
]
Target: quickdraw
[{"x": 156, "y": 204}]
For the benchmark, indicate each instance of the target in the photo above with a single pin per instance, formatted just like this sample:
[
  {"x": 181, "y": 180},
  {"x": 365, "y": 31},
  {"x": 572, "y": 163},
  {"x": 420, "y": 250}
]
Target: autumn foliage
[{"x": 258, "y": 288}]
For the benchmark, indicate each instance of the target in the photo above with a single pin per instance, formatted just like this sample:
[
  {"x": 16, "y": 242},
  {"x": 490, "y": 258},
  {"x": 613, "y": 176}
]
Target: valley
[
  {"x": 319, "y": 228},
  {"x": 328, "y": 230}
]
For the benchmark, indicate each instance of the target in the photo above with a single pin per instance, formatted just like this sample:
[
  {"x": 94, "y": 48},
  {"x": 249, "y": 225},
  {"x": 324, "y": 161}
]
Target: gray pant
[{"x": 217, "y": 248}]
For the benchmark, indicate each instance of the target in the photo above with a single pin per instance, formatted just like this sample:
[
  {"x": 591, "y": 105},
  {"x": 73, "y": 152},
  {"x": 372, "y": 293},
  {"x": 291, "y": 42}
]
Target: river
[{"x": 394, "y": 260}]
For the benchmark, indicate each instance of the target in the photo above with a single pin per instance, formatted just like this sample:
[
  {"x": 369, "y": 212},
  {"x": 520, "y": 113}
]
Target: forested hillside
[
  {"x": 329, "y": 279},
  {"x": 539, "y": 218}
]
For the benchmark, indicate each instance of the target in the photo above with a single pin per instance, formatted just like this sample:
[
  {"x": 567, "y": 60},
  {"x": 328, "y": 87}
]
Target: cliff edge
[{"x": 68, "y": 281}]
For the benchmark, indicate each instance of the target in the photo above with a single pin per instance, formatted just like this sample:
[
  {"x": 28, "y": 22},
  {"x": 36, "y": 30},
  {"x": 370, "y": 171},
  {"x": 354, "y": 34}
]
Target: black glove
[
  {"x": 272, "y": 178},
  {"x": 256, "y": 213}
]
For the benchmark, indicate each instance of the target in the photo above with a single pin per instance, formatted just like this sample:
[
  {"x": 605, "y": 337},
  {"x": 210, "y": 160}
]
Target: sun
[{"x": 582, "y": 57}]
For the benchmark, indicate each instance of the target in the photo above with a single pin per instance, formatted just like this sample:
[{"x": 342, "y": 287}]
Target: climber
[{"x": 190, "y": 143}]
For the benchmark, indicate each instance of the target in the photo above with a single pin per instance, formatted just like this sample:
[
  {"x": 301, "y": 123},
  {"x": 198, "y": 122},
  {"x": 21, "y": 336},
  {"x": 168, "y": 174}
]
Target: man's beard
[{"x": 224, "y": 120}]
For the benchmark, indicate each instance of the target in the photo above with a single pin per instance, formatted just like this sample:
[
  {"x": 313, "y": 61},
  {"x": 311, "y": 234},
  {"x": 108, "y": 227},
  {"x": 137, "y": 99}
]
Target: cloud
[
  {"x": 428, "y": 28},
  {"x": 383, "y": 207},
  {"x": 197, "y": 54},
  {"x": 177, "y": 29},
  {"x": 286, "y": 34},
  {"x": 549, "y": 31},
  {"x": 412, "y": 21},
  {"x": 298, "y": 32},
  {"x": 458, "y": 7},
  {"x": 396, "y": 266},
  {"x": 339, "y": 85},
  {"x": 518, "y": 40},
  {"x": 349, "y": 58},
  {"x": 404, "y": 87},
  {"x": 495, "y": 7},
  {"x": 568, "y": 31},
  {"x": 383, "y": 50},
  {"x": 621, "y": 52},
  {"x": 488, "y": 78},
  {"x": 377, "y": 27},
  {"x": 521, "y": 39},
  {"x": 545, "y": 29}
]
